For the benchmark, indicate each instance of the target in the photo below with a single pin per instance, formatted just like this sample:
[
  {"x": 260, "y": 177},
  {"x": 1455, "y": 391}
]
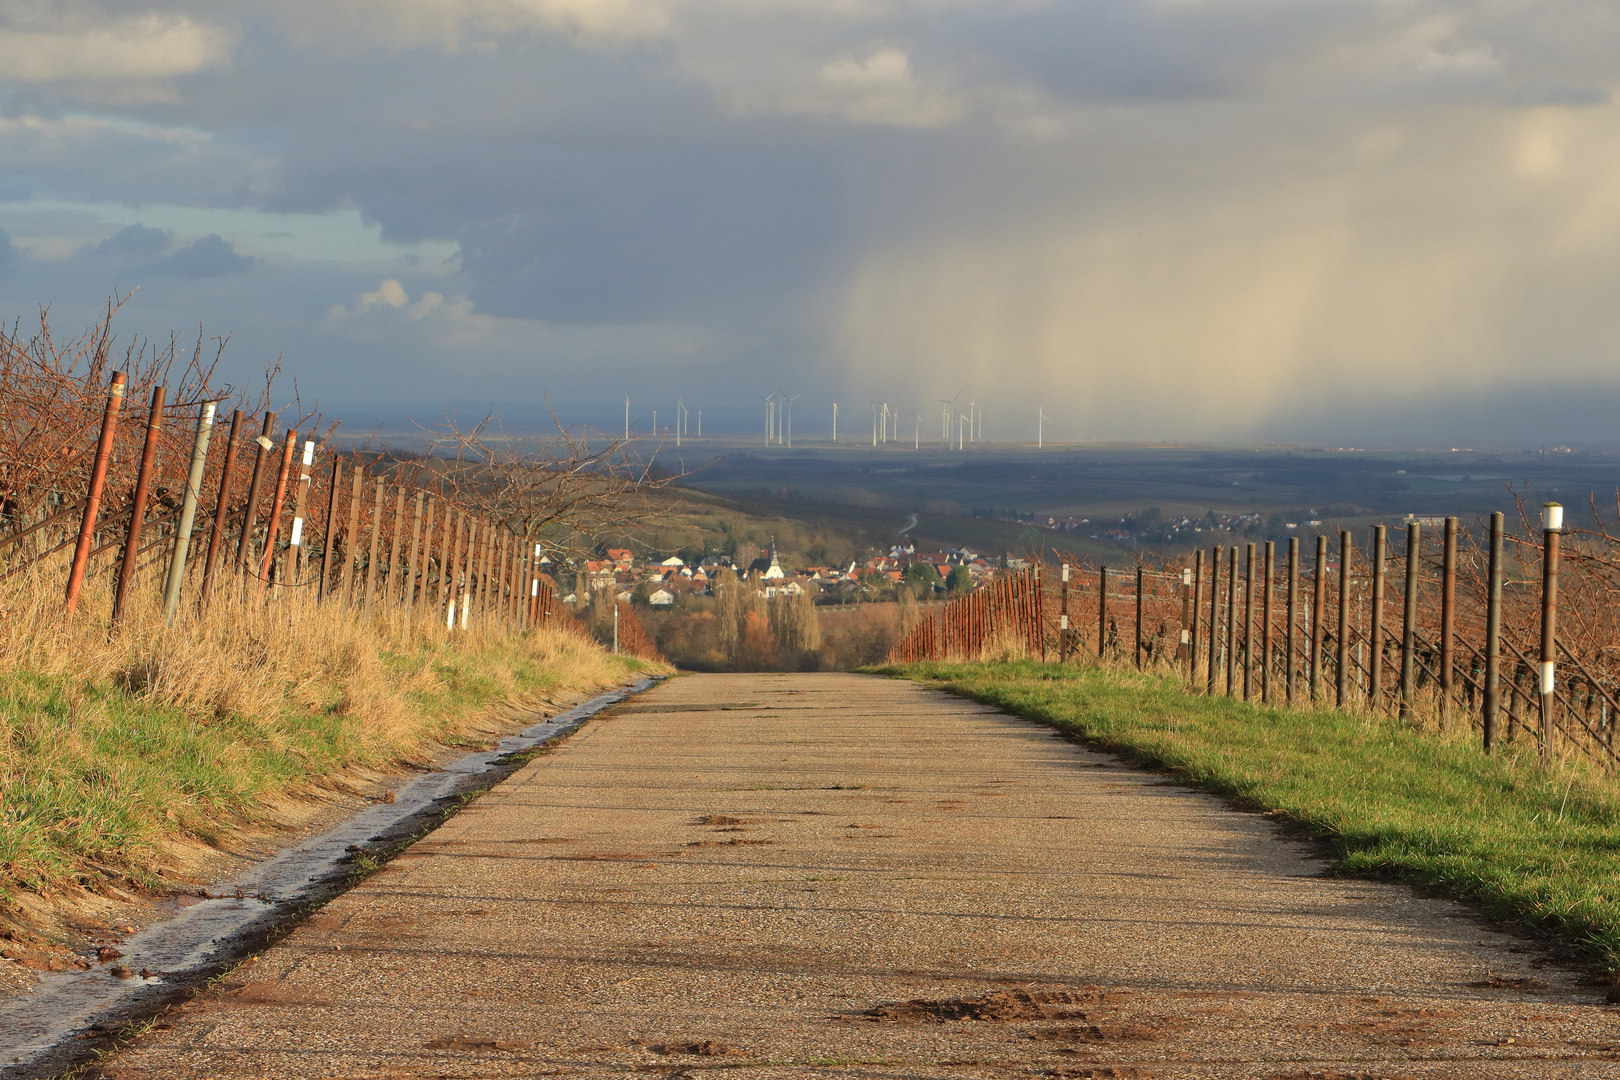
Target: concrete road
[{"x": 795, "y": 875}]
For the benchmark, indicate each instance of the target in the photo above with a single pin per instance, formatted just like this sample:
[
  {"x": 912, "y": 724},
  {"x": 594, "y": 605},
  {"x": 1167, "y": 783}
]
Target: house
[
  {"x": 626, "y": 596},
  {"x": 672, "y": 563},
  {"x": 769, "y": 569},
  {"x": 621, "y": 558},
  {"x": 598, "y": 574},
  {"x": 661, "y": 598}
]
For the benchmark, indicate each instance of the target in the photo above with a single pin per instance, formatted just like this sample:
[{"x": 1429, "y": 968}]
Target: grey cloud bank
[{"x": 1153, "y": 218}]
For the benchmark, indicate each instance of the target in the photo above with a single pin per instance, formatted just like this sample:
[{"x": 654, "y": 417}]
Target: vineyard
[
  {"x": 123, "y": 509},
  {"x": 1512, "y": 632}
]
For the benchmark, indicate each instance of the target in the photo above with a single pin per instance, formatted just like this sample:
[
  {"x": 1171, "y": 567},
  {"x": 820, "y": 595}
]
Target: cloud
[
  {"x": 206, "y": 257},
  {"x": 133, "y": 241},
  {"x": 390, "y": 295},
  {"x": 102, "y": 49}
]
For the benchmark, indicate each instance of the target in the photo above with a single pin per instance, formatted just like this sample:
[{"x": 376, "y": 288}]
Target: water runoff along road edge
[{"x": 39, "y": 1028}]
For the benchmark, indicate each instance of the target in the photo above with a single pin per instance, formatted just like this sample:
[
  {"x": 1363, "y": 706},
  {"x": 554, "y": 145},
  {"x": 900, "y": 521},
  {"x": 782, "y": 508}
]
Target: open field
[
  {"x": 871, "y": 493},
  {"x": 1542, "y": 848}
]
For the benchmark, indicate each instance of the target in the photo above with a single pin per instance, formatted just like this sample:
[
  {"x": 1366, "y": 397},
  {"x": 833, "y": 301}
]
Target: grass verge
[
  {"x": 122, "y": 758},
  {"x": 1541, "y": 848}
]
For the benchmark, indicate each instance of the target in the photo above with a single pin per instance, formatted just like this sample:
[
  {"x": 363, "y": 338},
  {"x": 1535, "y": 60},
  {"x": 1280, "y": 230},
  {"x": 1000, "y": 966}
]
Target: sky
[{"x": 1392, "y": 222}]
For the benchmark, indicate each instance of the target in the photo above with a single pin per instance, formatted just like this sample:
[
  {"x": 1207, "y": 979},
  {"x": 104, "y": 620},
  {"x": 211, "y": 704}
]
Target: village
[{"x": 667, "y": 582}]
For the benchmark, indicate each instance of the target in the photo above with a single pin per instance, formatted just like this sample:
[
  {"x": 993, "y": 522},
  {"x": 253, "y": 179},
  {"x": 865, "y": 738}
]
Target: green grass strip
[{"x": 1540, "y": 847}]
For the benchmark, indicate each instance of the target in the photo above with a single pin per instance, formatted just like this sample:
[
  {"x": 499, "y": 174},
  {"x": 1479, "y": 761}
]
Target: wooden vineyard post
[
  {"x": 1102, "y": 610},
  {"x": 1318, "y": 611},
  {"x": 1138, "y": 617},
  {"x": 1375, "y": 659},
  {"x": 137, "y": 509},
  {"x": 1552, "y": 522},
  {"x": 332, "y": 496},
  {"x": 188, "y": 511},
  {"x": 244, "y": 543},
  {"x": 1493, "y": 636},
  {"x": 1448, "y": 617},
  {"x": 222, "y": 500},
  {"x": 1192, "y": 624},
  {"x": 1231, "y": 620},
  {"x": 1409, "y": 618},
  {"x": 1265, "y": 623},
  {"x": 1293, "y": 618},
  {"x": 1248, "y": 620},
  {"x": 1214, "y": 612},
  {"x": 1341, "y": 681}
]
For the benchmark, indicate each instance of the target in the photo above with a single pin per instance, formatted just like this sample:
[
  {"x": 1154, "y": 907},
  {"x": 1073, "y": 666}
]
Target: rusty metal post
[
  {"x": 1231, "y": 620},
  {"x": 295, "y": 539},
  {"x": 351, "y": 535},
  {"x": 1414, "y": 556},
  {"x": 1318, "y": 613},
  {"x": 1138, "y": 616},
  {"x": 1102, "y": 609},
  {"x": 331, "y": 529},
  {"x": 222, "y": 506},
  {"x": 1552, "y": 521},
  {"x": 1448, "y": 615},
  {"x": 1375, "y": 659},
  {"x": 137, "y": 510},
  {"x": 1342, "y": 675},
  {"x": 1197, "y": 597},
  {"x": 188, "y": 510},
  {"x": 1248, "y": 620},
  {"x": 272, "y": 524},
  {"x": 1214, "y": 614},
  {"x": 371, "y": 557},
  {"x": 1265, "y": 624},
  {"x": 244, "y": 543},
  {"x": 92, "y": 499},
  {"x": 1293, "y": 618},
  {"x": 1493, "y": 636}
]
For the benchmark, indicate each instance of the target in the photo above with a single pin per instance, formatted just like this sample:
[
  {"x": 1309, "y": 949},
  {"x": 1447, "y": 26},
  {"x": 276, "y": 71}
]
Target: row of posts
[
  {"x": 491, "y": 553},
  {"x": 1238, "y": 636}
]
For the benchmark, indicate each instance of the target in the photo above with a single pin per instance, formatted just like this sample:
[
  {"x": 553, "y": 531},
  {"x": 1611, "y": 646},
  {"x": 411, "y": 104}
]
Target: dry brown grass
[{"x": 116, "y": 749}]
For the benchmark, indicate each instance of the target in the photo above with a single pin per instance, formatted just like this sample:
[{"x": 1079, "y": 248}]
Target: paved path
[{"x": 808, "y": 875}]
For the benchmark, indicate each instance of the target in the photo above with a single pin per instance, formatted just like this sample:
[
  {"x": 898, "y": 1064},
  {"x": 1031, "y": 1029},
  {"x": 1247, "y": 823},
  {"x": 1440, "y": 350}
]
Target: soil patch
[{"x": 1002, "y": 1006}]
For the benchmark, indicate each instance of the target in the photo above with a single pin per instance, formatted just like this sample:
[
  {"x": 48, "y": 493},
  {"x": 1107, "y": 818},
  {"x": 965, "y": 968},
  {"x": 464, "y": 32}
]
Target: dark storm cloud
[{"x": 873, "y": 196}]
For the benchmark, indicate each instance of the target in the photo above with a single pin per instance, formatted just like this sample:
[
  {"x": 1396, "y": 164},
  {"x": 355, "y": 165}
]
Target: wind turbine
[
  {"x": 1040, "y": 428},
  {"x": 885, "y": 421},
  {"x": 835, "y": 421},
  {"x": 680, "y": 420},
  {"x": 916, "y": 432},
  {"x": 770, "y": 406},
  {"x": 626, "y": 419},
  {"x": 947, "y": 407},
  {"x": 790, "y": 401},
  {"x": 961, "y": 421},
  {"x": 874, "y": 423}
]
